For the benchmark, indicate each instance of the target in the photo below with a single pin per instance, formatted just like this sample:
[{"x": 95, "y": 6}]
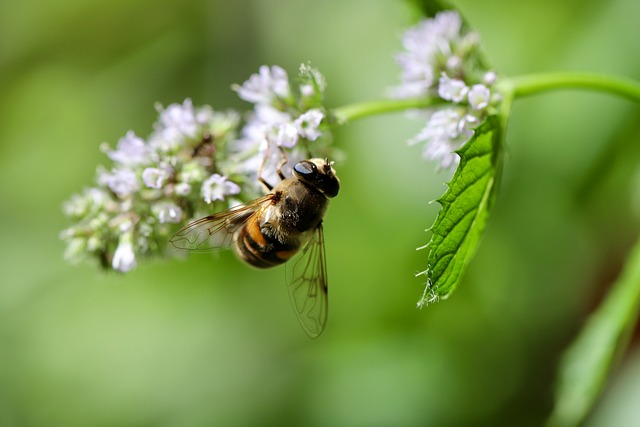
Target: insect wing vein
[
  {"x": 307, "y": 285},
  {"x": 216, "y": 231}
]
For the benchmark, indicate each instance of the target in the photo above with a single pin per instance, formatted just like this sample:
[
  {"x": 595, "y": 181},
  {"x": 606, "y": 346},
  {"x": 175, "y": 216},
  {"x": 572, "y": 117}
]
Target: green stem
[
  {"x": 511, "y": 88},
  {"x": 534, "y": 84},
  {"x": 360, "y": 110}
]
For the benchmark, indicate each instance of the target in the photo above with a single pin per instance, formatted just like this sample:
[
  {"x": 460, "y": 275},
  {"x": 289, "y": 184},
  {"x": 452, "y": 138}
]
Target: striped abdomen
[{"x": 261, "y": 248}]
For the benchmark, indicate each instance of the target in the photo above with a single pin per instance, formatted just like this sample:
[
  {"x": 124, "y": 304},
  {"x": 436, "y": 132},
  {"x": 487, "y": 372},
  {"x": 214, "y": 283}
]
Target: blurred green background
[{"x": 209, "y": 342}]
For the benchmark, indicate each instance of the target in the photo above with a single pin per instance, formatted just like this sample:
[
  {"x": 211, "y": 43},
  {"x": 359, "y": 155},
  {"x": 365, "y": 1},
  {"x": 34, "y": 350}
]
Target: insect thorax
[{"x": 299, "y": 208}]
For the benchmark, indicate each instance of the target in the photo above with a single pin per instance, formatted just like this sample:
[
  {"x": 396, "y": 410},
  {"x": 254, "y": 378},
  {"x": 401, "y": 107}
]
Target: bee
[{"x": 271, "y": 229}]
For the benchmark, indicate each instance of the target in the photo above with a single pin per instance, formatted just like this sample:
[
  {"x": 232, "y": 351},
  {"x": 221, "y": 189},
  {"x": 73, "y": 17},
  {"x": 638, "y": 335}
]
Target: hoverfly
[{"x": 271, "y": 229}]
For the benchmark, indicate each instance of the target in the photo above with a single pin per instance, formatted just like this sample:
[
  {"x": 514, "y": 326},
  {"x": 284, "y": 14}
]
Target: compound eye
[{"x": 305, "y": 168}]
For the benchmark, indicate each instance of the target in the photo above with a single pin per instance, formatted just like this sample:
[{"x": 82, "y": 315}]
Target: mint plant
[{"x": 199, "y": 160}]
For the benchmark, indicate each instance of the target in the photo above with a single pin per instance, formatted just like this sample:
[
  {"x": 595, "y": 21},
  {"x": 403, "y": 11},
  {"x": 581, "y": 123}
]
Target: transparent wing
[
  {"x": 216, "y": 231},
  {"x": 307, "y": 284}
]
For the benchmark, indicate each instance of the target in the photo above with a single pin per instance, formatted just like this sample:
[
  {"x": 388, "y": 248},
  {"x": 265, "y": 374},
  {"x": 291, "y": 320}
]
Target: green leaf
[
  {"x": 587, "y": 363},
  {"x": 466, "y": 204}
]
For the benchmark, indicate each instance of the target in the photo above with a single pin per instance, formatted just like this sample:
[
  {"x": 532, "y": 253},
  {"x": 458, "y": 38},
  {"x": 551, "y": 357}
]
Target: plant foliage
[{"x": 466, "y": 205}]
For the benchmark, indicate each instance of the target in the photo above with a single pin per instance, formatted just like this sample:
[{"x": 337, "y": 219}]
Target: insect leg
[
  {"x": 282, "y": 162},
  {"x": 265, "y": 183},
  {"x": 261, "y": 168}
]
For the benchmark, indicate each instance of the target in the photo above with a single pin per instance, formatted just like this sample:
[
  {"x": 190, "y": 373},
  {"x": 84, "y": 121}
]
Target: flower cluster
[
  {"x": 284, "y": 117},
  {"x": 194, "y": 157},
  {"x": 442, "y": 60}
]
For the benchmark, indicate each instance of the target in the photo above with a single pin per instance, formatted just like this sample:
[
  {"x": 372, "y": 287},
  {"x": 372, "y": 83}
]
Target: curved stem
[
  {"x": 360, "y": 110},
  {"x": 511, "y": 88},
  {"x": 534, "y": 84}
]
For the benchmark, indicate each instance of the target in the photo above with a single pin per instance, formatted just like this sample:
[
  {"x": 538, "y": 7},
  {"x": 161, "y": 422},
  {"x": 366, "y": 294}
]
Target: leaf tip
[{"x": 429, "y": 296}]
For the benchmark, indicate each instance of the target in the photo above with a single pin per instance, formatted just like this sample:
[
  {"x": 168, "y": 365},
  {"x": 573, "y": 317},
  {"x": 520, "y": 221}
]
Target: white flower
[
  {"x": 216, "y": 187},
  {"x": 121, "y": 219},
  {"x": 167, "y": 212},
  {"x": 454, "y": 63},
  {"x": 274, "y": 126},
  {"x": 489, "y": 78},
  {"x": 441, "y": 47},
  {"x": 124, "y": 259},
  {"x": 178, "y": 123},
  {"x": 452, "y": 89},
  {"x": 286, "y": 135},
  {"x": 178, "y": 119},
  {"x": 433, "y": 46},
  {"x": 445, "y": 132},
  {"x": 307, "y": 124},
  {"x": 428, "y": 48},
  {"x": 182, "y": 189},
  {"x": 267, "y": 114},
  {"x": 479, "y": 96},
  {"x": 442, "y": 124},
  {"x": 266, "y": 86},
  {"x": 447, "y": 24},
  {"x": 92, "y": 199},
  {"x": 443, "y": 152},
  {"x": 130, "y": 151},
  {"x": 123, "y": 182},
  {"x": 417, "y": 74},
  {"x": 205, "y": 115},
  {"x": 154, "y": 177},
  {"x": 466, "y": 125}
]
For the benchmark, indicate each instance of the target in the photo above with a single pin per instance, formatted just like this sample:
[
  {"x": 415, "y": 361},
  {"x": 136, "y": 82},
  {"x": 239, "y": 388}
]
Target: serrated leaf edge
[{"x": 431, "y": 293}]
